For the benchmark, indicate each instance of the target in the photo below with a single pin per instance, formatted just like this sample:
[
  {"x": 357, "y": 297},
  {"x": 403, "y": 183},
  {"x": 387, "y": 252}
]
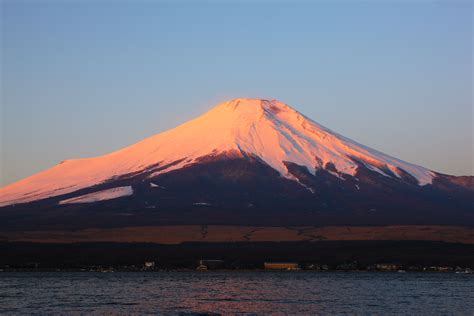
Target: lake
[{"x": 257, "y": 292}]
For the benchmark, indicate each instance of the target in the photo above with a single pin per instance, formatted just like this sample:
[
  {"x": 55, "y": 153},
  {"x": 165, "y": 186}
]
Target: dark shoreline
[{"x": 333, "y": 255}]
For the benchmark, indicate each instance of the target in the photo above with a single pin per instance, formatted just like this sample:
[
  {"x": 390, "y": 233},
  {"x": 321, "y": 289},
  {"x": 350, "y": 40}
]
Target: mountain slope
[{"x": 270, "y": 132}]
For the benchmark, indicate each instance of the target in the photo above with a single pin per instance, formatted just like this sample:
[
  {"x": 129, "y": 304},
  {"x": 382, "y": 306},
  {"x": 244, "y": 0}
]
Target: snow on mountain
[
  {"x": 102, "y": 195},
  {"x": 270, "y": 130}
]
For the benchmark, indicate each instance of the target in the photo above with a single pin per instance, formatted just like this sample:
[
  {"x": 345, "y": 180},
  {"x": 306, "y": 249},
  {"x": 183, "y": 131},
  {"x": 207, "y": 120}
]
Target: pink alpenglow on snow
[
  {"x": 269, "y": 129},
  {"x": 102, "y": 195}
]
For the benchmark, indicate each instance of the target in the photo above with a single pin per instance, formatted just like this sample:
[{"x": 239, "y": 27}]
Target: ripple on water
[{"x": 235, "y": 292}]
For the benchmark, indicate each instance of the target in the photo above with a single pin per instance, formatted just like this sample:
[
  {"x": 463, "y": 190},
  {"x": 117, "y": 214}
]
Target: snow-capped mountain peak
[{"x": 268, "y": 129}]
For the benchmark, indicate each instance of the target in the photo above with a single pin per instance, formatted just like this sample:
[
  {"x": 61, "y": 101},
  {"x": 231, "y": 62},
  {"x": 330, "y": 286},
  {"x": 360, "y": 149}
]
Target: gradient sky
[{"x": 84, "y": 78}]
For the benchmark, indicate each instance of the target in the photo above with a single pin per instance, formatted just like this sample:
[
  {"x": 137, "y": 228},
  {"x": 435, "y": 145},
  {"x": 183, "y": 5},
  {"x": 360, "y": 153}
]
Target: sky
[{"x": 85, "y": 78}]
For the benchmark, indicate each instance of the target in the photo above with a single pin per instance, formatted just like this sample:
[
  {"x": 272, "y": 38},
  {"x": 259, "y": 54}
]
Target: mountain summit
[
  {"x": 269, "y": 130},
  {"x": 244, "y": 162}
]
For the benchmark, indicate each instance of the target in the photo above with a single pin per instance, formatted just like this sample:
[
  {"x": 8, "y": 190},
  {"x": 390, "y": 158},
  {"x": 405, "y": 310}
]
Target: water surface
[{"x": 236, "y": 292}]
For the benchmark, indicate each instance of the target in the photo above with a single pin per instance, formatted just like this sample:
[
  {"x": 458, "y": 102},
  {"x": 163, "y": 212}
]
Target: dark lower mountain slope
[{"x": 244, "y": 190}]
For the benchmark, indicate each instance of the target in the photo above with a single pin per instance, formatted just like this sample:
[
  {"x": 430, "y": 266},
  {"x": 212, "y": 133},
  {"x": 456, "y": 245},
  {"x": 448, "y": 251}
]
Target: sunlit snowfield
[{"x": 236, "y": 292}]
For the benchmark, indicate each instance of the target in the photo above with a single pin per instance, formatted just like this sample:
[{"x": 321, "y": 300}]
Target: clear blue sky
[{"x": 83, "y": 78}]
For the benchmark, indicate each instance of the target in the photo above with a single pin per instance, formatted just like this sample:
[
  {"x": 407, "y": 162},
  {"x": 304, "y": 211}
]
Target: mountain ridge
[
  {"x": 269, "y": 130},
  {"x": 244, "y": 163}
]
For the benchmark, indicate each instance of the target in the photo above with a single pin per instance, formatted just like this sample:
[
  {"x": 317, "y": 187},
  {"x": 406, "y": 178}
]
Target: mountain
[{"x": 245, "y": 162}]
